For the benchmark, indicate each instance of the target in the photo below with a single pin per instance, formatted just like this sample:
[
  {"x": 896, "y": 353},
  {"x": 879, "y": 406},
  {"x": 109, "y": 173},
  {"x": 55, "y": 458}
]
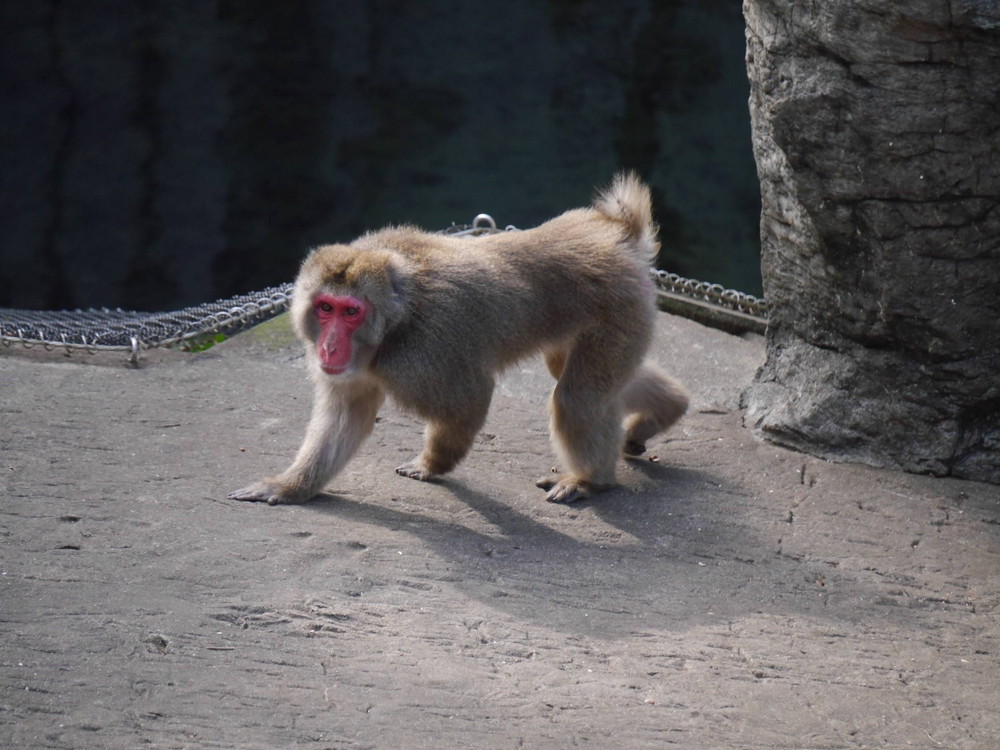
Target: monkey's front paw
[
  {"x": 566, "y": 489},
  {"x": 415, "y": 470},
  {"x": 263, "y": 492}
]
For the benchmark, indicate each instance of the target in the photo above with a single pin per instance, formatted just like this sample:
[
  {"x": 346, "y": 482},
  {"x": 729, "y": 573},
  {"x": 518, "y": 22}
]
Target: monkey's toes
[
  {"x": 634, "y": 448},
  {"x": 565, "y": 489},
  {"x": 547, "y": 483}
]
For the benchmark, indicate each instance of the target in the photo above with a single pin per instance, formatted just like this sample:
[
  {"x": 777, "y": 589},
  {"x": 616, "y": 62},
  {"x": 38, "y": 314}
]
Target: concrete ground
[{"x": 731, "y": 594}]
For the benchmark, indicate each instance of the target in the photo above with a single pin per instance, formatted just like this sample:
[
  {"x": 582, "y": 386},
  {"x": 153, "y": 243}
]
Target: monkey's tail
[{"x": 628, "y": 202}]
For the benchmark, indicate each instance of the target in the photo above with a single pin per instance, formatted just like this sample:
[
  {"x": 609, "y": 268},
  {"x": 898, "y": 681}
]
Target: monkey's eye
[
  {"x": 325, "y": 307},
  {"x": 350, "y": 312}
]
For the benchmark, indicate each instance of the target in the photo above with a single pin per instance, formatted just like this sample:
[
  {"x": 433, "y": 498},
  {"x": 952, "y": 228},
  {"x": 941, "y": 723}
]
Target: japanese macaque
[{"x": 431, "y": 319}]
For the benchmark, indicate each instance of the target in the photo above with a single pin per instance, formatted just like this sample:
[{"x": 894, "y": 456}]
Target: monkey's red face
[{"x": 339, "y": 317}]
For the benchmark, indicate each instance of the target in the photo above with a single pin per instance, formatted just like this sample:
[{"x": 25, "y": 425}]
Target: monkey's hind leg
[
  {"x": 586, "y": 430},
  {"x": 653, "y": 401}
]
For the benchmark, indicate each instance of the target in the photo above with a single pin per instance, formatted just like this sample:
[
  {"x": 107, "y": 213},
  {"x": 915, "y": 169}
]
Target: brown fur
[{"x": 449, "y": 313}]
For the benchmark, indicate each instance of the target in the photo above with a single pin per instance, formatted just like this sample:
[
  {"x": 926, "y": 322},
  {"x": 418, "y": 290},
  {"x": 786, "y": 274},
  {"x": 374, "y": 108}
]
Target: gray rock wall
[{"x": 876, "y": 131}]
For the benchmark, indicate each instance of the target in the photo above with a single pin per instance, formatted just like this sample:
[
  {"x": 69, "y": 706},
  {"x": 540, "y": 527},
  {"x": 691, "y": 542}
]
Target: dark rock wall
[
  {"x": 112, "y": 187},
  {"x": 154, "y": 155},
  {"x": 877, "y": 137}
]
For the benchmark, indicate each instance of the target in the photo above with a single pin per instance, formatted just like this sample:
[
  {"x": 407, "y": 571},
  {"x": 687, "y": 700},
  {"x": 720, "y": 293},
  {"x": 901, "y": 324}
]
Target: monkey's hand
[
  {"x": 416, "y": 469},
  {"x": 567, "y": 488},
  {"x": 266, "y": 491}
]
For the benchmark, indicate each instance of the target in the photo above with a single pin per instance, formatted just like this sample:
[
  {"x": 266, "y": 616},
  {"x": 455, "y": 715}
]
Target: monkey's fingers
[
  {"x": 415, "y": 470},
  {"x": 260, "y": 492}
]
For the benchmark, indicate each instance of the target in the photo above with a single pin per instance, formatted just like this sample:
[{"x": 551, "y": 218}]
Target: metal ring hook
[{"x": 484, "y": 221}]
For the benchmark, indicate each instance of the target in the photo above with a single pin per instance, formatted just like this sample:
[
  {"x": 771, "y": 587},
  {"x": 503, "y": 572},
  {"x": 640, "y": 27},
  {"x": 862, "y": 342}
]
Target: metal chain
[
  {"x": 711, "y": 304},
  {"x": 122, "y": 330},
  {"x": 713, "y": 293}
]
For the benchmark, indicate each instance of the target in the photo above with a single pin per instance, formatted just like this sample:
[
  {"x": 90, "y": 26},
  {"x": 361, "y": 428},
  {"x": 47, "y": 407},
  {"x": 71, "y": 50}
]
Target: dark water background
[{"x": 157, "y": 155}]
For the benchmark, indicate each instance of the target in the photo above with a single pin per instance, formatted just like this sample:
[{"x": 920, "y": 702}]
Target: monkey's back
[{"x": 506, "y": 296}]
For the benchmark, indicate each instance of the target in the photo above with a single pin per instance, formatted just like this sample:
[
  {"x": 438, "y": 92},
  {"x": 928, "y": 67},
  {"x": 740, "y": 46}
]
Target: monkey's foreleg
[
  {"x": 445, "y": 445},
  {"x": 342, "y": 417},
  {"x": 449, "y": 438}
]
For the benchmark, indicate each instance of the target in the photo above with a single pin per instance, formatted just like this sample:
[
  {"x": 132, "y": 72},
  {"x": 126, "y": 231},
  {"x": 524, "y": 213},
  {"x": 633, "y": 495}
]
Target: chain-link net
[{"x": 123, "y": 330}]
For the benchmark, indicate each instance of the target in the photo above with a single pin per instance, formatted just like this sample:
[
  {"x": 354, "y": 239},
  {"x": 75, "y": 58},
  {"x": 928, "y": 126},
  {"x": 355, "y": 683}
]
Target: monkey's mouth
[
  {"x": 333, "y": 359},
  {"x": 342, "y": 371}
]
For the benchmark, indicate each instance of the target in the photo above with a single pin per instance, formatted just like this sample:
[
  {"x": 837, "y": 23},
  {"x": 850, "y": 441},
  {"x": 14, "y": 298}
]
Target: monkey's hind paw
[
  {"x": 634, "y": 448},
  {"x": 566, "y": 489},
  {"x": 415, "y": 470}
]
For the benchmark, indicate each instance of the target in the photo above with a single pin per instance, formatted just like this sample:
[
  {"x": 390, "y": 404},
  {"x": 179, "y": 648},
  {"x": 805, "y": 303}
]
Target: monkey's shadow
[
  {"x": 626, "y": 509},
  {"x": 548, "y": 569}
]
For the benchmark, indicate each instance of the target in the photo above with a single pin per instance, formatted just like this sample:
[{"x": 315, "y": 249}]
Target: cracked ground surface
[{"x": 730, "y": 594}]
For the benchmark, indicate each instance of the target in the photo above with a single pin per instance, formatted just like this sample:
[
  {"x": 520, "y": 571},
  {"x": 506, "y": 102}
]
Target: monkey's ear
[{"x": 400, "y": 283}]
